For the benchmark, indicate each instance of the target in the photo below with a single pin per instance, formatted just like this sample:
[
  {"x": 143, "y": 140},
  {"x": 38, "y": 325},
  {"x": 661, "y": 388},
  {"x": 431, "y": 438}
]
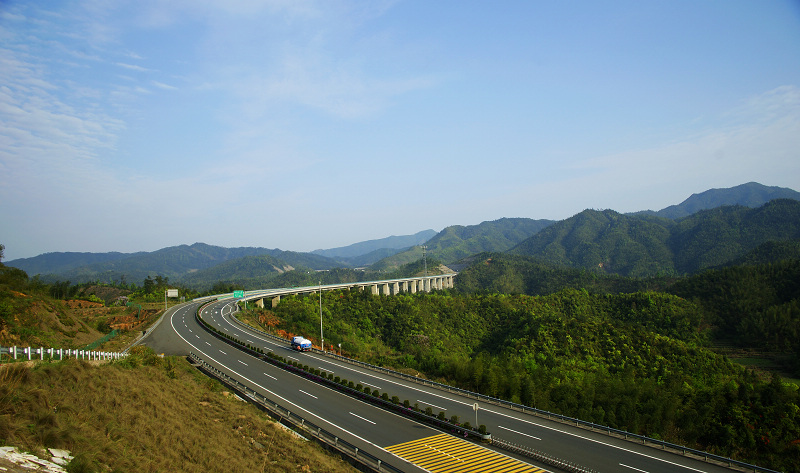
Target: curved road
[{"x": 380, "y": 432}]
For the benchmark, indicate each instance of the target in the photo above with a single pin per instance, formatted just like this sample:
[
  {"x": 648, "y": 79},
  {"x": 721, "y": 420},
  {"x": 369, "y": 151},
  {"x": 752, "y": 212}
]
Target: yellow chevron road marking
[{"x": 444, "y": 453}]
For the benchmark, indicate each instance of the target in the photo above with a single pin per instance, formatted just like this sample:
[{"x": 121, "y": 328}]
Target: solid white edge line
[
  {"x": 276, "y": 395},
  {"x": 308, "y": 394},
  {"x": 363, "y": 373}
]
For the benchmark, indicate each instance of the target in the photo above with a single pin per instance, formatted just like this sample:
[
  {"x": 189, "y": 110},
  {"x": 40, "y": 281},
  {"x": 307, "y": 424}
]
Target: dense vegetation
[
  {"x": 646, "y": 246},
  {"x": 754, "y": 307},
  {"x": 459, "y": 241},
  {"x": 635, "y": 361}
]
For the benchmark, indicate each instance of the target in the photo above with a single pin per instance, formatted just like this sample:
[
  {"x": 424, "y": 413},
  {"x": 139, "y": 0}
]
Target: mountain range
[{"x": 705, "y": 230}]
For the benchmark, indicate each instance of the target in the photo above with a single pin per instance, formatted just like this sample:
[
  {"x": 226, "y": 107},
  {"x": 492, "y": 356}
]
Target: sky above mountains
[{"x": 302, "y": 124}]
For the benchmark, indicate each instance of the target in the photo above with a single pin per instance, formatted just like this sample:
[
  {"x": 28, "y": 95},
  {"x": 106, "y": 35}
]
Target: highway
[{"x": 394, "y": 439}]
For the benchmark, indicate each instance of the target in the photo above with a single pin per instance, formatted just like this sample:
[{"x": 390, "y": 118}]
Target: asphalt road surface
[{"x": 397, "y": 440}]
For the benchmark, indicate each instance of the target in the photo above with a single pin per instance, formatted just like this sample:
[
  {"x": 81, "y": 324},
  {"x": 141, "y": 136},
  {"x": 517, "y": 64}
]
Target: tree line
[{"x": 637, "y": 361}]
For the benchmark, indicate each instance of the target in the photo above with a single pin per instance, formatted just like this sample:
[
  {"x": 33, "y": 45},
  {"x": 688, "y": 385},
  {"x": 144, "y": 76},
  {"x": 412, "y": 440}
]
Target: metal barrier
[
  {"x": 532, "y": 410},
  {"x": 541, "y": 457},
  {"x": 32, "y": 353},
  {"x": 299, "y": 423},
  {"x": 418, "y": 416}
]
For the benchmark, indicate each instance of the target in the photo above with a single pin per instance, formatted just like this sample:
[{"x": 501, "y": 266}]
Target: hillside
[
  {"x": 714, "y": 237},
  {"x": 751, "y": 195},
  {"x": 641, "y": 245},
  {"x": 175, "y": 263},
  {"x": 145, "y": 413},
  {"x": 457, "y": 241},
  {"x": 369, "y": 246},
  {"x": 62, "y": 262},
  {"x": 141, "y": 413},
  {"x": 634, "y": 361}
]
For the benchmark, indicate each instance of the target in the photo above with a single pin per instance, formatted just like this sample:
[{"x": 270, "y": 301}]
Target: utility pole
[
  {"x": 425, "y": 260},
  {"x": 322, "y": 340}
]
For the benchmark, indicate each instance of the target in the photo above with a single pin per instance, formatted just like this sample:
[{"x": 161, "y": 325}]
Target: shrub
[
  {"x": 454, "y": 420},
  {"x": 376, "y": 393},
  {"x": 442, "y": 416}
]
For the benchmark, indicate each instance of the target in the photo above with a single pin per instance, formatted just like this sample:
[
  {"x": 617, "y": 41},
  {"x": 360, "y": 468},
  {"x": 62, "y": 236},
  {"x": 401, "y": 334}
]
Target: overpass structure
[{"x": 387, "y": 287}]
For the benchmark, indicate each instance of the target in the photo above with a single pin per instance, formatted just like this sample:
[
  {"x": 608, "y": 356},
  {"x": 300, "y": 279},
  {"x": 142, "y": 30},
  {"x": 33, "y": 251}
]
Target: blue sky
[{"x": 303, "y": 124}]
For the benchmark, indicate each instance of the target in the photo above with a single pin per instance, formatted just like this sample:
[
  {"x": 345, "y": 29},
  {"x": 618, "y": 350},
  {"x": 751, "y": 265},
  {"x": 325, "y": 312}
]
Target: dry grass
[{"x": 145, "y": 414}]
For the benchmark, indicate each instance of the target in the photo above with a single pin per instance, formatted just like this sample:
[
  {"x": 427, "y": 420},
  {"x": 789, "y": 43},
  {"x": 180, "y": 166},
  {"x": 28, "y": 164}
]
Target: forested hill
[
  {"x": 383, "y": 244},
  {"x": 457, "y": 241},
  {"x": 635, "y": 362},
  {"x": 175, "y": 263},
  {"x": 644, "y": 245},
  {"x": 751, "y": 194}
]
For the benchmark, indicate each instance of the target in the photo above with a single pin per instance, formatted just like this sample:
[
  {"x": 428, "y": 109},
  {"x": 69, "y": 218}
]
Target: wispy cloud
[
  {"x": 132, "y": 67},
  {"x": 162, "y": 85}
]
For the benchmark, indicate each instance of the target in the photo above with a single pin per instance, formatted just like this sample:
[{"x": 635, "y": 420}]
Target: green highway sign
[{"x": 238, "y": 293}]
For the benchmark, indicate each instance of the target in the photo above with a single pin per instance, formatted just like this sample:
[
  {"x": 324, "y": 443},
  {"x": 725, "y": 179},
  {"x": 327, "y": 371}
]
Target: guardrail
[
  {"x": 393, "y": 406},
  {"x": 539, "y": 412},
  {"x": 32, "y": 353},
  {"x": 349, "y": 388},
  {"x": 298, "y": 423}
]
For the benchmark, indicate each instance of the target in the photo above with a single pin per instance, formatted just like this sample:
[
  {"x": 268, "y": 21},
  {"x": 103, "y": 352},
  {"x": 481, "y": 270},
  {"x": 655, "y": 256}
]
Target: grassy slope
[{"x": 145, "y": 414}]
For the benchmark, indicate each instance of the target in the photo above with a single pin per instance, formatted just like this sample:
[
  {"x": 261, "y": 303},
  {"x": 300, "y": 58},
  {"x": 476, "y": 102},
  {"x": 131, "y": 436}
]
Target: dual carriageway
[{"x": 396, "y": 440}]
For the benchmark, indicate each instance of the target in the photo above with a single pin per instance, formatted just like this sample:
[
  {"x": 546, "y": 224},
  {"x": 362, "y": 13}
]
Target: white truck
[{"x": 301, "y": 344}]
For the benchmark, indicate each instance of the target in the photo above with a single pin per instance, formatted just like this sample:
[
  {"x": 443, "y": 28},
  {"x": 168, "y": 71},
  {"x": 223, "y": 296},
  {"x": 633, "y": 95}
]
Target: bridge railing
[
  {"x": 32, "y": 353},
  {"x": 297, "y": 422}
]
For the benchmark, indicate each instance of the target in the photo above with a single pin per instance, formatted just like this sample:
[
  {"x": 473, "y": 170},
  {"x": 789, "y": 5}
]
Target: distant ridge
[
  {"x": 750, "y": 195},
  {"x": 459, "y": 241},
  {"x": 645, "y": 245},
  {"x": 364, "y": 247},
  {"x": 676, "y": 240}
]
